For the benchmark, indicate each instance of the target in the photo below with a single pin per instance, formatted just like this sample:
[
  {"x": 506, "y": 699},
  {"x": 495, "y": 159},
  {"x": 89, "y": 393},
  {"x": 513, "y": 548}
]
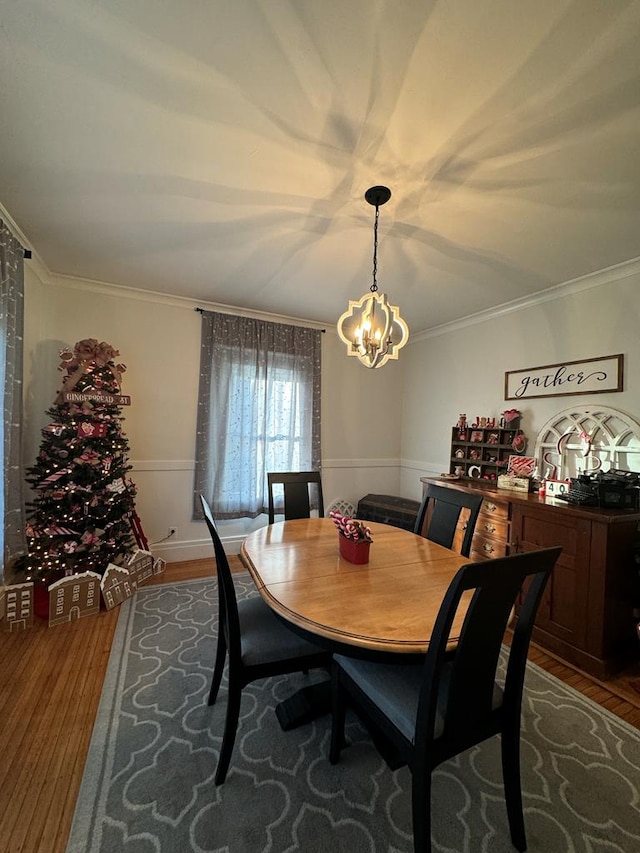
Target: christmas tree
[{"x": 82, "y": 516}]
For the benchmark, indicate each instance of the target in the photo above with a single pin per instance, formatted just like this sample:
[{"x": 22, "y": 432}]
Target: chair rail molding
[
  {"x": 162, "y": 464},
  {"x": 360, "y": 463},
  {"x": 420, "y": 465}
]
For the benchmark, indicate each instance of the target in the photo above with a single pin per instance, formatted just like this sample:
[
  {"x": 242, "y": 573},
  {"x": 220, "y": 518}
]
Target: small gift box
[{"x": 354, "y": 538}]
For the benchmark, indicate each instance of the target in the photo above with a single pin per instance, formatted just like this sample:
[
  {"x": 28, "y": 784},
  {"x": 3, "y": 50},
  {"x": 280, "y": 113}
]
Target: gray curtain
[
  {"x": 258, "y": 410},
  {"x": 11, "y": 345}
]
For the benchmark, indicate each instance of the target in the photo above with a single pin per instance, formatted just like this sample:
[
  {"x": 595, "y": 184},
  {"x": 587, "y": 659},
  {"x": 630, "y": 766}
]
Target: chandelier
[{"x": 372, "y": 329}]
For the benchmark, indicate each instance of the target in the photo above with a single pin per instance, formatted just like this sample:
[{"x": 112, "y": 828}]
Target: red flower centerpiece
[{"x": 354, "y": 538}]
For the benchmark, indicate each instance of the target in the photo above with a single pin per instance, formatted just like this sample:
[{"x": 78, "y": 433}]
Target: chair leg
[
  {"x": 221, "y": 654},
  {"x": 510, "y": 748},
  {"x": 421, "y": 809},
  {"x": 338, "y": 714},
  {"x": 230, "y": 729}
]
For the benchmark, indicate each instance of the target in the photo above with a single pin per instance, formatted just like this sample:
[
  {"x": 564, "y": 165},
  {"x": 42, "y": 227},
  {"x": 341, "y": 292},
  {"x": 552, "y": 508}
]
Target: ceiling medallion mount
[
  {"x": 377, "y": 196},
  {"x": 372, "y": 329}
]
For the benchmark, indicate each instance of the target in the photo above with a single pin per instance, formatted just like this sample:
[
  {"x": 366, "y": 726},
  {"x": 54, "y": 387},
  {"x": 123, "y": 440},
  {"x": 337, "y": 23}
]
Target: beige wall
[
  {"x": 381, "y": 430},
  {"x": 463, "y": 369},
  {"x": 159, "y": 341}
]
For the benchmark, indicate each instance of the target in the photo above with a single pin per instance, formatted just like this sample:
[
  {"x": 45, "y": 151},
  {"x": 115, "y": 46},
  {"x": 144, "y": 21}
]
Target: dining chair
[
  {"x": 298, "y": 489},
  {"x": 433, "y": 711},
  {"x": 257, "y": 644},
  {"x": 442, "y": 508}
]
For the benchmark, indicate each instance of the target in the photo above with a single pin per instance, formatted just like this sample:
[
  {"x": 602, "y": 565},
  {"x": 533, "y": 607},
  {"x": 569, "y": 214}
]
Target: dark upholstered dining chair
[
  {"x": 257, "y": 643},
  {"x": 298, "y": 489},
  {"x": 433, "y": 711},
  {"x": 443, "y": 508}
]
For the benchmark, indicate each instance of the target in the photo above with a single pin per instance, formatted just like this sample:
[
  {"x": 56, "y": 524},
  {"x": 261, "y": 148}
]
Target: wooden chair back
[
  {"x": 300, "y": 488},
  {"x": 449, "y": 517}
]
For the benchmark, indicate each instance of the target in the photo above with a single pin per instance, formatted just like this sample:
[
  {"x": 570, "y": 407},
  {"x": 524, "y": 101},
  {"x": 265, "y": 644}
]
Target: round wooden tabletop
[{"x": 386, "y": 605}]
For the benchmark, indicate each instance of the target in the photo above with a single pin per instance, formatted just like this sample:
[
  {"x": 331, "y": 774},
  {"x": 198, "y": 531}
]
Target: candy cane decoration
[
  {"x": 55, "y": 530},
  {"x": 52, "y": 478},
  {"x": 350, "y": 528}
]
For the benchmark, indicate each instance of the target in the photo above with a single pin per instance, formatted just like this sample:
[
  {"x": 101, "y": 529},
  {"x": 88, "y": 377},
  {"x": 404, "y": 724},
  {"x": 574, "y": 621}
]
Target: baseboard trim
[{"x": 197, "y": 549}]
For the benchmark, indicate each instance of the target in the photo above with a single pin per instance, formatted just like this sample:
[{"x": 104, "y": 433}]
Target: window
[{"x": 258, "y": 410}]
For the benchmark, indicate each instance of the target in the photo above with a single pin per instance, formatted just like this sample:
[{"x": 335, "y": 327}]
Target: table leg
[
  {"x": 313, "y": 701},
  {"x": 304, "y": 705}
]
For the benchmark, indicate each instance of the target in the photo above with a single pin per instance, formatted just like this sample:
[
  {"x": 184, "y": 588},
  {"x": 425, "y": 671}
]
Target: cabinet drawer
[
  {"x": 495, "y": 509},
  {"x": 493, "y": 528},
  {"x": 484, "y": 547}
]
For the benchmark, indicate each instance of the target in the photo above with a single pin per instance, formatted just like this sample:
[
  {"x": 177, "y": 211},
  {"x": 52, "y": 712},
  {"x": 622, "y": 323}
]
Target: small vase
[{"x": 354, "y": 550}]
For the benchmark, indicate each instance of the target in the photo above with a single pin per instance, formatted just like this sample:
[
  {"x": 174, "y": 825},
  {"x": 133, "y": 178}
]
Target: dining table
[{"x": 383, "y": 609}]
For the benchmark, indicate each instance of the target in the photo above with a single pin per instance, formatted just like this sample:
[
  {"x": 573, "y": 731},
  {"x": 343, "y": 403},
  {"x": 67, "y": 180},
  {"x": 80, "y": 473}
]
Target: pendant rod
[
  {"x": 374, "y": 286},
  {"x": 376, "y": 196}
]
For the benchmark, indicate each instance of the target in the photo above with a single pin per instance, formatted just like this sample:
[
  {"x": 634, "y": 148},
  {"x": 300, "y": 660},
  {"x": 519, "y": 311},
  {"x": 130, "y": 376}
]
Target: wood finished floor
[{"x": 50, "y": 685}]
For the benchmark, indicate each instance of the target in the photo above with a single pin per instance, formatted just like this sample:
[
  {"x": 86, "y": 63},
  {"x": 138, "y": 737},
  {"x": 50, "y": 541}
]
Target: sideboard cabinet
[{"x": 587, "y": 614}]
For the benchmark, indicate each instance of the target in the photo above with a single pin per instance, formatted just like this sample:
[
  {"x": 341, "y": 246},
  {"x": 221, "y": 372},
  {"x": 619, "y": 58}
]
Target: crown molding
[
  {"x": 35, "y": 263},
  {"x": 600, "y": 278},
  {"x": 18, "y": 232},
  {"x": 141, "y": 295}
]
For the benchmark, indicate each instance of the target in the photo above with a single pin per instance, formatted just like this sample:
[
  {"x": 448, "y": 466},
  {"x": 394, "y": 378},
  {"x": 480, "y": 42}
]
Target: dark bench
[{"x": 388, "y": 509}]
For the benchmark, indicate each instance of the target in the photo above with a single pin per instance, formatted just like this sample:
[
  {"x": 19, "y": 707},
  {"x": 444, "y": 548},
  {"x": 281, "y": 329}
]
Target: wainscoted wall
[
  {"x": 461, "y": 368},
  {"x": 381, "y": 429},
  {"x": 173, "y": 480},
  {"x": 159, "y": 340}
]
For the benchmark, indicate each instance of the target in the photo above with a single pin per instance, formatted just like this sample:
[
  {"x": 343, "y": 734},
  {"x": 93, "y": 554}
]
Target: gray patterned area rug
[{"x": 148, "y": 783}]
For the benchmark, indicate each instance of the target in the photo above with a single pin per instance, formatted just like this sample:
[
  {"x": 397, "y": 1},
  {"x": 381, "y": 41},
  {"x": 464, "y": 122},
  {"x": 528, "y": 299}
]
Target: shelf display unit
[{"x": 483, "y": 453}]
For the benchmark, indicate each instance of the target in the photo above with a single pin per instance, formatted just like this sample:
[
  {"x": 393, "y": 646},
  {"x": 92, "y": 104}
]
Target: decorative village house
[
  {"x": 142, "y": 565},
  {"x": 19, "y": 606},
  {"x": 74, "y": 597},
  {"x": 118, "y": 583}
]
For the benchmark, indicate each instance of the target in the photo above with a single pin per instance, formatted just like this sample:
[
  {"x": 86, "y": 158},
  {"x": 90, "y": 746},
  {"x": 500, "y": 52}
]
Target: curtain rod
[{"x": 202, "y": 311}]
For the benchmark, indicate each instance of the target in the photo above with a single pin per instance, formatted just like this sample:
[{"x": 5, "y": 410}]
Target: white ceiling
[{"x": 220, "y": 150}]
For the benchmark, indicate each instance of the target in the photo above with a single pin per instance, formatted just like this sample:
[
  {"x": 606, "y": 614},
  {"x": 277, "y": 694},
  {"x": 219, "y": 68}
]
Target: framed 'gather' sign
[{"x": 592, "y": 376}]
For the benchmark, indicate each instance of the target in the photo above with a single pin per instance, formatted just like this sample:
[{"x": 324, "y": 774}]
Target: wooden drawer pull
[
  {"x": 491, "y": 507},
  {"x": 490, "y": 528},
  {"x": 487, "y": 548}
]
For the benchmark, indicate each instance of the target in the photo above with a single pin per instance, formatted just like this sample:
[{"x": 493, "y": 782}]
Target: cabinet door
[{"x": 563, "y": 610}]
